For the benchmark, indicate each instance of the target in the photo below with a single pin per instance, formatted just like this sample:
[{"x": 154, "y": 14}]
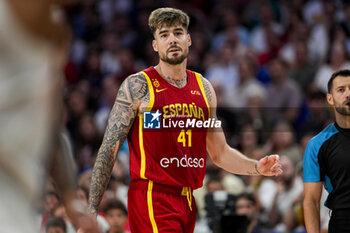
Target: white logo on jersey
[{"x": 183, "y": 162}]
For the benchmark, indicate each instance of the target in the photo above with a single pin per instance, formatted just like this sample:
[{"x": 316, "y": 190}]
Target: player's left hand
[{"x": 270, "y": 166}]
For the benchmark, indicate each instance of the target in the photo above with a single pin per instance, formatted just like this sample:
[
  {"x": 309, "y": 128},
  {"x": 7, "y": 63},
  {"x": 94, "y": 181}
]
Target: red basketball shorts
[{"x": 157, "y": 208}]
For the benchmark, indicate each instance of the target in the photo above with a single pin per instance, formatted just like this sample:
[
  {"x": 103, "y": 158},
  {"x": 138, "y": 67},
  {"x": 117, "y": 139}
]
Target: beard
[
  {"x": 174, "y": 60},
  {"x": 345, "y": 111}
]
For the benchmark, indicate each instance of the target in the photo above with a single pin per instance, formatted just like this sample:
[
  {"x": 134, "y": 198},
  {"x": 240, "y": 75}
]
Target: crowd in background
[{"x": 269, "y": 62}]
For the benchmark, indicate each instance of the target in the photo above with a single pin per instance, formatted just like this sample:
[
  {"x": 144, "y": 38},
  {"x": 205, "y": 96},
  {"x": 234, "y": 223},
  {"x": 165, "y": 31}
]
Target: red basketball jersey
[{"x": 167, "y": 142}]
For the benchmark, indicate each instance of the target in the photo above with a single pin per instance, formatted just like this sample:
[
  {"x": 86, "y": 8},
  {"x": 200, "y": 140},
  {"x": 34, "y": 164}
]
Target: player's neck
[
  {"x": 173, "y": 74},
  {"x": 343, "y": 121},
  {"x": 177, "y": 72}
]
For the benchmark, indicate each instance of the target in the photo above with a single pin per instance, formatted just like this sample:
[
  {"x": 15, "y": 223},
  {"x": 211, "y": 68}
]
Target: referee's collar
[{"x": 346, "y": 131}]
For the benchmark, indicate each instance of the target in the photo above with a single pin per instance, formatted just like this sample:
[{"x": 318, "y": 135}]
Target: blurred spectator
[
  {"x": 256, "y": 115},
  {"x": 82, "y": 195},
  {"x": 346, "y": 19},
  {"x": 60, "y": 212},
  {"x": 91, "y": 70},
  {"x": 218, "y": 203},
  {"x": 56, "y": 225},
  {"x": 339, "y": 33},
  {"x": 248, "y": 140},
  {"x": 118, "y": 183},
  {"x": 273, "y": 46},
  {"x": 105, "y": 9},
  {"x": 51, "y": 201},
  {"x": 247, "y": 87},
  {"x": 127, "y": 65},
  {"x": 338, "y": 60},
  {"x": 283, "y": 142},
  {"x": 294, "y": 220},
  {"x": 232, "y": 184},
  {"x": 278, "y": 196},
  {"x": 246, "y": 205},
  {"x": 90, "y": 22},
  {"x": 199, "y": 48},
  {"x": 214, "y": 184},
  {"x": 109, "y": 92},
  {"x": 302, "y": 70},
  {"x": 268, "y": 25},
  {"x": 124, "y": 30},
  {"x": 77, "y": 104},
  {"x": 224, "y": 72},
  {"x": 279, "y": 92},
  {"x": 239, "y": 49},
  {"x": 88, "y": 142},
  {"x": 315, "y": 15},
  {"x": 230, "y": 22},
  {"x": 109, "y": 59},
  {"x": 318, "y": 114},
  {"x": 116, "y": 215}
]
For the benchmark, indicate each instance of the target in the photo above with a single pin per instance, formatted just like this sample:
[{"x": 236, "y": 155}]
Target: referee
[{"x": 327, "y": 161}]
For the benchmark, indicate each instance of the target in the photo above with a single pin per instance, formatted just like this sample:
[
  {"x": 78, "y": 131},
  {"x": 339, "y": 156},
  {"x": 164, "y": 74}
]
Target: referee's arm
[{"x": 311, "y": 204}]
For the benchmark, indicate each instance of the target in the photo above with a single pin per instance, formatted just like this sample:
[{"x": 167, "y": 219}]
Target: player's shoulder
[
  {"x": 136, "y": 85},
  {"x": 209, "y": 90},
  {"x": 204, "y": 80},
  {"x": 139, "y": 76}
]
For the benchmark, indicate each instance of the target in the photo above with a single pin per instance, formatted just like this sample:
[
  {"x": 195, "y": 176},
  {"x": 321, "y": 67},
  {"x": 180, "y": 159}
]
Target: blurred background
[{"x": 269, "y": 62}]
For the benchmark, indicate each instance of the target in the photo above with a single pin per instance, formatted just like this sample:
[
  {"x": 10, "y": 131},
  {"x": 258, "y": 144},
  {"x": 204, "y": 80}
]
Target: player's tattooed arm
[
  {"x": 208, "y": 89},
  {"x": 211, "y": 96},
  {"x": 132, "y": 92}
]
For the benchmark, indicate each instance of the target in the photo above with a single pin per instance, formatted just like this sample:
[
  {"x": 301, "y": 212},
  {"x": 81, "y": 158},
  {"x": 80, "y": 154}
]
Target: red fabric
[
  {"x": 71, "y": 72},
  {"x": 168, "y": 161},
  {"x": 171, "y": 210},
  {"x": 44, "y": 221}
]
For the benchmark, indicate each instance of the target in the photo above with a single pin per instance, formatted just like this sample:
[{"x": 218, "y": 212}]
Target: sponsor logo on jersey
[
  {"x": 179, "y": 115},
  {"x": 151, "y": 120},
  {"x": 190, "y": 123},
  {"x": 183, "y": 109},
  {"x": 195, "y": 92},
  {"x": 160, "y": 90},
  {"x": 182, "y": 162}
]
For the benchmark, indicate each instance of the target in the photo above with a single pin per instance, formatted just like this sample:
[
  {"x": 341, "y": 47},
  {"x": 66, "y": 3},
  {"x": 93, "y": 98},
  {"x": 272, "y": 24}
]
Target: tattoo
[
  {"x": 132, "y": 92},
  {"x": 252, "y": 173},
  {"x": 207, "y": 89},
  {"x": 256, "y": 172},
  {"x": 138, "y": 87},
  {"x": 176, "y": 82}
]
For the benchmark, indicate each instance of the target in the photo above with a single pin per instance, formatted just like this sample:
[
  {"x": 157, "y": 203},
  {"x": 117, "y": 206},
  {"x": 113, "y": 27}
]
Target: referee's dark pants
[{"x": 340, "y": 221}]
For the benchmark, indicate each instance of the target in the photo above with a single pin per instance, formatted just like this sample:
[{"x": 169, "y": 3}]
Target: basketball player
[
  {"x": 327, "y": 161},
  {"x": 167, "y": 157},
  {"x": 33, "y": 42}
]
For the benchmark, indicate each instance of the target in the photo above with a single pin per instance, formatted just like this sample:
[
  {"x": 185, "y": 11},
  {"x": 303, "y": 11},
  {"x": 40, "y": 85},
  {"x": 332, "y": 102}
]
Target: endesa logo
[{"x": 182, "y": 162}]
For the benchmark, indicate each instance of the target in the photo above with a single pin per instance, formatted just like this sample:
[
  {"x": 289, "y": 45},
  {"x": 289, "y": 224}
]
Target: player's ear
[
  {"x": 154, "y": 45},
  {"x": 330, "y": 99},
  {"x": 189, "y": 39}
]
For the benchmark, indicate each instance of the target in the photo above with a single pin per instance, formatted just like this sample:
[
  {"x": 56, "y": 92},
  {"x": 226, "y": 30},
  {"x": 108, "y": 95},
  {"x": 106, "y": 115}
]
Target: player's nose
[{"x": 172, "y": 39}]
